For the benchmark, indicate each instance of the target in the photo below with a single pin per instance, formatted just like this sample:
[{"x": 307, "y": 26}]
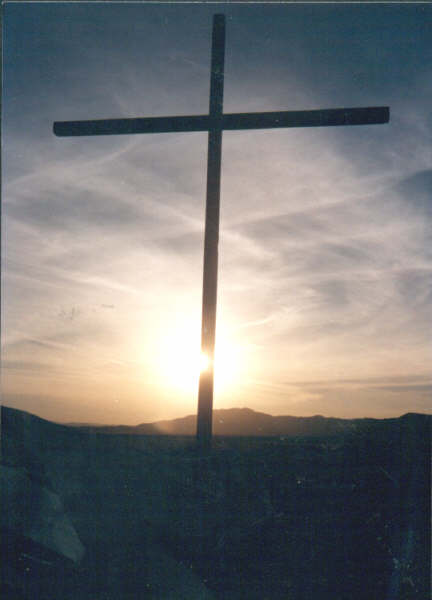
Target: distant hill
[
  {"x": 247, "y": 422},
  {"x": 226, "y": 422}
]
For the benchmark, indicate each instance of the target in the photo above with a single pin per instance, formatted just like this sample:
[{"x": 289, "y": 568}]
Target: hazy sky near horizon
[{"x": 325, "y": 248}]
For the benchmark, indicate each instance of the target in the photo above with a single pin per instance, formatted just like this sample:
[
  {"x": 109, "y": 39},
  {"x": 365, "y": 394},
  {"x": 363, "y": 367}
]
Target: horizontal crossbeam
[{"x": 233, "y": 121}]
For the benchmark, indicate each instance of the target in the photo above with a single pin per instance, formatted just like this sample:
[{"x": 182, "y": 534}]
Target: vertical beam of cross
[
  {"x": 214, "y": 123},
  {"x": 211, "y": 234}
]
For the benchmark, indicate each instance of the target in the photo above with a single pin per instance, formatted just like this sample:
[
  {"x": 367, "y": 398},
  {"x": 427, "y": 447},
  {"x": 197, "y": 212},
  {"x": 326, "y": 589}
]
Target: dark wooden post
[{"x": 211, "y": 234}]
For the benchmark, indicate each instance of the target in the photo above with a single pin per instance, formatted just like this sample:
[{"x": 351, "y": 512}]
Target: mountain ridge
[{"x": 235, "y": 422}]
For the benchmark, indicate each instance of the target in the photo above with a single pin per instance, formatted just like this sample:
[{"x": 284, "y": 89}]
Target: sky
[{"x": 325, "y": 257}]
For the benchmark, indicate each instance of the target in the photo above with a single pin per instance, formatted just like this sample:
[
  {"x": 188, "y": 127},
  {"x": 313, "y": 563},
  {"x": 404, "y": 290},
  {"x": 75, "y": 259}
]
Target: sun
[
  {"x": 204, "y": 362},
  {"x": 178, "y": 359}
]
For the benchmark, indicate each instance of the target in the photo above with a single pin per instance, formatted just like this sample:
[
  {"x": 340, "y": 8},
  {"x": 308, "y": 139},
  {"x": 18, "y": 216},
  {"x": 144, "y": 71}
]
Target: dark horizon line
[{"x": 190, "y": 416}]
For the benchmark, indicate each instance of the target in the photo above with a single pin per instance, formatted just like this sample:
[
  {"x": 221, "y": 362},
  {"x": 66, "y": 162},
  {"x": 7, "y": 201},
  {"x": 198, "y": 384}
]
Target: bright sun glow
[
  {"x": 179, "y": 360},
  {"x": 204, "y": 362}
]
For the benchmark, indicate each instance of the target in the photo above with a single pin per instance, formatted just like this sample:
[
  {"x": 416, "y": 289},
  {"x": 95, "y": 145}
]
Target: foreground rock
[
  {"x": 71, "y": 527},
  {"x": 39, "y": 545},
  {"x": 35, "y": 512}
]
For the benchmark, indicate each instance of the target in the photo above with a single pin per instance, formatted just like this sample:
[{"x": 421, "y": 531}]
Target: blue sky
[{"x": 325, "y": 261}]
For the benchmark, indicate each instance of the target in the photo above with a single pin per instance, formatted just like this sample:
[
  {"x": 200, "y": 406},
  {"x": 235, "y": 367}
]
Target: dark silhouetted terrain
[
  {"x": 282, "y": 508},
  {"x": 236, "y": 421}
]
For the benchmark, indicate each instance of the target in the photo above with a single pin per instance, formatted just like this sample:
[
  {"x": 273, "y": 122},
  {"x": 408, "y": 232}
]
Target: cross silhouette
[{"x": 215, "y": 122}]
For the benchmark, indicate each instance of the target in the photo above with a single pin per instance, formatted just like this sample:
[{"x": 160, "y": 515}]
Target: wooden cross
[{"x": 215, "y": 122}]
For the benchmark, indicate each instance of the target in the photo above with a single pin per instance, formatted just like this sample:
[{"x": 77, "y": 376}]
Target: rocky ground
[{"x": 88, "y": 515}]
